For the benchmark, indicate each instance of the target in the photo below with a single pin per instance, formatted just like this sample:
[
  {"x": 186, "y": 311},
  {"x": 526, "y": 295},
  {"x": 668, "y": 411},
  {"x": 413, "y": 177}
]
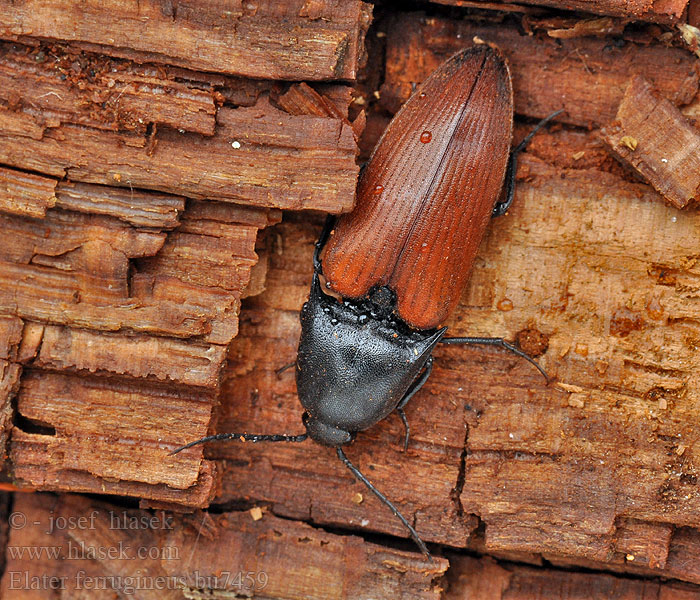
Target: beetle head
[{"x": 325, "y": 434}]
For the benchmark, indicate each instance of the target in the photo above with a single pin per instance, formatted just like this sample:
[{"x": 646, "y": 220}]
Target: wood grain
[
  {"x": 107, "y": 549},
  {"x": 586, "y": 77},
  {"x": 652, "y": 137},
  {"x": 656, "y": 11},
  {"x": 472, "y": 578},
  {"x": 132, "y": 190},
  {"x": 296, "y": 40},
  {"x": 586, "y": 471},
  {"x": 57, "y": 85},
  {"x": 309, "y": 162}
]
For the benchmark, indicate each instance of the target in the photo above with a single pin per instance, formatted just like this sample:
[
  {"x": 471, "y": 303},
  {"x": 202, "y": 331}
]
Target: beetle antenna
[
  {"x": 243, "y": 437},
  {"x": 356, "y": 472},
  {"x": 496, "y": 342}
]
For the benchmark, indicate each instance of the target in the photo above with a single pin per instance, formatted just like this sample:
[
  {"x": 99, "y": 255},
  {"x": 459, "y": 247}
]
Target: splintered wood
[
  {"x": 131, "y": 196},
  {"x": 598, "y": 469},
  {"x": 298, "y": 39},
  {"x": 138, "y": 165},
  {"x": 92, "y": 119},
  {"x": 591, "y": 470},
  {"x": 98, "y": 294},
  {"x": 486, "y": 578},
  {"x": 652, "y": 136},
  {"x": 658, "y": 11},
  {"x": 586, "y": 77},
  {"x": 100, "y": 547}
]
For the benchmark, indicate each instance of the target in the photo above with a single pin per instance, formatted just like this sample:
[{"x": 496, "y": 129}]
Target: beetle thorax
[{"x": 353, "y": 368}]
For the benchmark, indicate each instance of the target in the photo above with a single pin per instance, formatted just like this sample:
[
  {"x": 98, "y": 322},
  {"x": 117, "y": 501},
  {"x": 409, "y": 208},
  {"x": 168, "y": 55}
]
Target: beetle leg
[
  {"x": 406, "y": 426},
  {"x": 412, "y": 391},
  {"x": 283, "y": 368},
  {"x": 502, "y": 206},
  {"x": 356, "y": 472},
  {"x": 325, "y": 233},
  {"x": 496, "y": 342}
]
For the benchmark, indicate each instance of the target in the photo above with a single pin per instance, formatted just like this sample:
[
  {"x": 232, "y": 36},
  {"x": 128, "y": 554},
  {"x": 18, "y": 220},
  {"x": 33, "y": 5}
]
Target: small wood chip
[{"x": 629, "y": 141}]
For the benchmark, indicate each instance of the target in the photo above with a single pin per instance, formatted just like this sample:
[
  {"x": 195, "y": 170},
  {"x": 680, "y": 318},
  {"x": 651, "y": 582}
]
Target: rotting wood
[
  {"x": 589, "y": 470},
  {"x": 656, "y": 11},
  {"x": 96, "y": 120},
  {"x": 652, "y": 136},
  {"x": 134, "y": 221},
  {"x": 613, "y": 296},
  {"x": 138, "y": 208},
  {"x": 88, "y": 295},
  {"x": 99, "y": 422},
  {"x": 132, "y": 548},
  {"x": 572, "y": 27},
  {"x": 296, "y": 40},
  {"x": 584, "y": 76},
  {"x": 470, "y": 577},
  {"x": 259, "y": 155},
  {"x": 165, "y": 359},
  {"x": 26, "y": 194},
  {"x": 56, "y": 86},
  {"x": 588, "y": 473},
  {"x": 302, "y": 99}
]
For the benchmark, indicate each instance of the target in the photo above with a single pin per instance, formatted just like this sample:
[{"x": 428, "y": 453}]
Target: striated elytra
[
  {"x": 420, "y": 235},
  {"x": 396, "y": 266}
]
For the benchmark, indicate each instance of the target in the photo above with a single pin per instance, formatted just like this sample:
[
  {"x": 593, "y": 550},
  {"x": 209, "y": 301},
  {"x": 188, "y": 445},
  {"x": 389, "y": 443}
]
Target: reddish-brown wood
[
  {"x": 96, "y": 550},
  {"x": 652, "y": 136},
  {"x": 26, "y": 194},
  {"x": 480, "y": 578},
  {"x": 657, "y": 11},
  {"x": 307, "y": 162},
  {"x": 127, "y": 196},
  {"x": 298, "y": 39},
  {"x": 57, "y": 85},
  {"x": 118, "y": 300},
  {"x": 586, "y": 77},
  {"x": 428, "y": 191},
  {"x": 94, "y": 119},
  {"x": 588, "y": 473}
]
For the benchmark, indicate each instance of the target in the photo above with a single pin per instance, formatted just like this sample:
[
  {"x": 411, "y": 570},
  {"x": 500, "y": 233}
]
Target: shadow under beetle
[{"x": 401, "y": 259}]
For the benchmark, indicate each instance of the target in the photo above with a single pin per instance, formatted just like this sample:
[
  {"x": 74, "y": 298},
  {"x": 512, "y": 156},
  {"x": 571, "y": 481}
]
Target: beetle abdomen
[{"x": 427, "y": 193}]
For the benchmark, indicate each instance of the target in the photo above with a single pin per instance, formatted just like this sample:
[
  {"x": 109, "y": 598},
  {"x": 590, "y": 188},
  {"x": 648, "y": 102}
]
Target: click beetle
[{"x": 395, "y": 267}]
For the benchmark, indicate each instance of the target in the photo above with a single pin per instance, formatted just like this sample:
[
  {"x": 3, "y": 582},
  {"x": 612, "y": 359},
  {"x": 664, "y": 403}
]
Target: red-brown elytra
[{"x": 401, "y": 259}]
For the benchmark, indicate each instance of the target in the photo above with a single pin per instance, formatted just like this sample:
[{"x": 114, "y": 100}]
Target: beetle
[{"x": 401, "y": 259}]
